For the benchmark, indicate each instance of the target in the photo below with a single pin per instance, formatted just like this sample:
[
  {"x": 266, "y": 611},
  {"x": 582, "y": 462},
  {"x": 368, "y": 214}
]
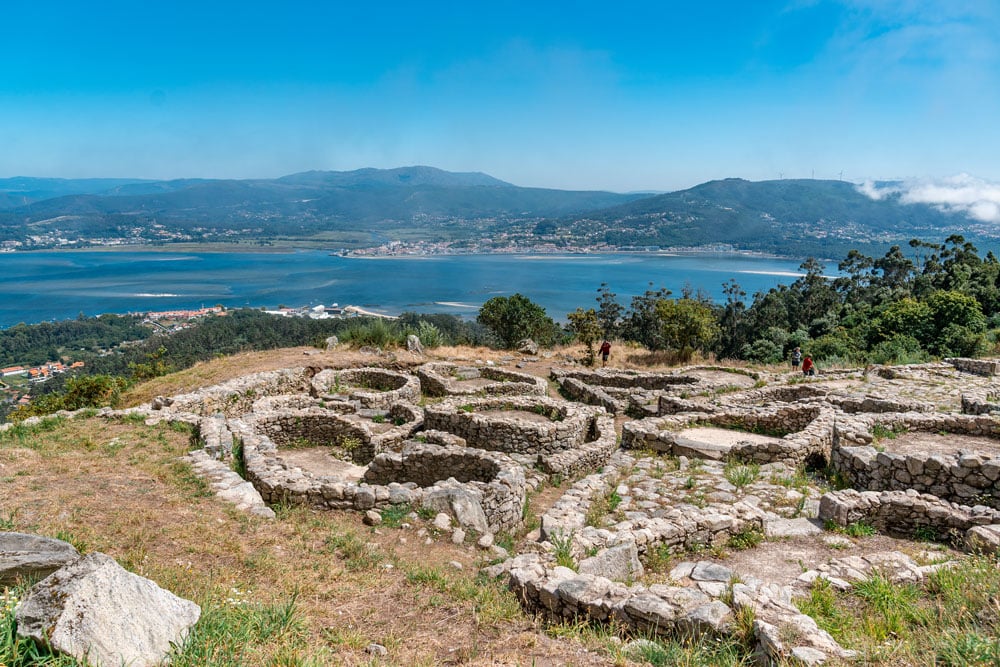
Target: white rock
[{"x": 95, "y": 610}]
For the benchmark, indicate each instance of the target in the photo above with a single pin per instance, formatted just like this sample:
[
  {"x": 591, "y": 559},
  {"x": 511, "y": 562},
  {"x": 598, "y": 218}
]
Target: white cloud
[{"x": 975, "y": 197}]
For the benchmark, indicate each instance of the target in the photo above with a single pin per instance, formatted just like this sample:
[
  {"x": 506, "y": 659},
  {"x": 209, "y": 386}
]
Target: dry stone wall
[
  {"x": 496, "y": 480},
  {"x": 958, "y": 476},
  {"x": 371, "y": 387},
  {"x": 905, "y": 513},
  {"x": 976, "y": 366},
  {"x": 470, "y": 419},
  {"x": 237, "y": 397},
  {"x": 809, "y": 429},
  {"x": 445, "y": 379}
]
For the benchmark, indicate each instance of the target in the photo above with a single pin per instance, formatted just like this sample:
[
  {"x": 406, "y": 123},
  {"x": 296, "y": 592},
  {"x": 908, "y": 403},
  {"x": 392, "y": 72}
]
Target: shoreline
[{"x": 225, "y": 248}]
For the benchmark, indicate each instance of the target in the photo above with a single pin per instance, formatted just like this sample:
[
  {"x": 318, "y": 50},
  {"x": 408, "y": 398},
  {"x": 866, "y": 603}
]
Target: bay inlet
[{"x": 55, "y": 285}]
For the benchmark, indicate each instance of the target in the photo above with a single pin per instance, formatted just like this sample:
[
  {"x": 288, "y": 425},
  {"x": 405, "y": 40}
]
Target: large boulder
[
  {"x": 527, "y": 346},
  {"x": 983, "y": 539},
  {"x": 413, "y": 344},
  {"x": 461, "y": 504},
  {"x": 32, "y": 556},
  {"x": 96, "y": 611},
  {"x": 618, "y": 563}
]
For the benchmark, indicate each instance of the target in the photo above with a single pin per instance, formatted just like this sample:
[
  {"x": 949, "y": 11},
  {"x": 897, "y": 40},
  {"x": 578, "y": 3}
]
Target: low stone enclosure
[
  {"x": 954, "y": 457},
  {"x": 621, "y": 392},
  {"x": 792, "y": 433},
  {"x": 715, "y": 460},
  {"x": 371, "y": 387},
  {"x": 447, "y": 379},
  {"x": 356, "y": 439},
  {"x": 558, "y": 436}
]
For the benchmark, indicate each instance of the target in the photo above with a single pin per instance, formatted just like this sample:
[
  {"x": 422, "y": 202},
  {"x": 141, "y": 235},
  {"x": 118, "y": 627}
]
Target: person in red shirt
[
  {"x": 807, "y": 366},
  {"x": 605, "y": 351}
]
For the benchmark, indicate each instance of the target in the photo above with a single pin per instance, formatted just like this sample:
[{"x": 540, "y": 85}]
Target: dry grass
[{"x": 118, "y": 488}]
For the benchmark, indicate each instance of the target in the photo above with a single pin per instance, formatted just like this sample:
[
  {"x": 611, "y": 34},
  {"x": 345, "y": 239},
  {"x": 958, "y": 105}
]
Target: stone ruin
[
  {"x": 446, "y": 379},
  {"x": 712, "y": 456},
  {"x": 631, "y": 392}
]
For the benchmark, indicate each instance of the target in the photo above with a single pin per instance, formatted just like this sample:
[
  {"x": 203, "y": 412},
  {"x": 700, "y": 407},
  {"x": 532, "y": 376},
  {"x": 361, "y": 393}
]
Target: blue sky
[{"x": 580, "y": 95}]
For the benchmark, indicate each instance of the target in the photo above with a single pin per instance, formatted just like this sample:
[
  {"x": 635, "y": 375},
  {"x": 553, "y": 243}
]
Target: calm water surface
[{"x": 37, "y": 286}]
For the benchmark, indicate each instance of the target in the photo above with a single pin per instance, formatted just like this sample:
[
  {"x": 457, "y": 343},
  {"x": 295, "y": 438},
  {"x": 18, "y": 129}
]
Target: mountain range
[{"x": 368, "y": 207}]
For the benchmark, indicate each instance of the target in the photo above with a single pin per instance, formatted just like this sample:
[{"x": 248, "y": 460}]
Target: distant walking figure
[
  {"x": 796, "y": 358},
  {"x": 605, "y": 351},
  {"x": 807, "y": 366}
]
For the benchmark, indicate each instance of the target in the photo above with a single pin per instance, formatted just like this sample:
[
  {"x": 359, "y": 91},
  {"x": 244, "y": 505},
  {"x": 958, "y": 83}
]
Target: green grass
[
  {"x": 952, "y": 619},
  {"x": 741, "y": 474},
  {"x": 883, "y": 432},
  {"x": 601, "y": 507},
  {"x": 394, "y": 516},
  {"x": 19, "y": 652},
  {"x": 229, "y": 630},
  {"x": 563, "y": 544},
  {"x": 357, "y": 554},
  {"x": 747, "y": 538}
]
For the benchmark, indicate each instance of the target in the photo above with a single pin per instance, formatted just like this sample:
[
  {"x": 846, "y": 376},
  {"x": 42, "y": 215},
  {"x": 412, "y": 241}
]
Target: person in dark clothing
[{"x": 796, "y": 358}]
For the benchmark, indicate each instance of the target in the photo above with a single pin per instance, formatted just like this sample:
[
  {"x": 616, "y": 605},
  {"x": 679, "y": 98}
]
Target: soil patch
[
  {"x": 319, "y": 461},
  {"x": 724, "y": 378},
  {"x": 921, "y": 443},
  {"x": 475, "y": 383},
  {"x": 724, "y": 436}
]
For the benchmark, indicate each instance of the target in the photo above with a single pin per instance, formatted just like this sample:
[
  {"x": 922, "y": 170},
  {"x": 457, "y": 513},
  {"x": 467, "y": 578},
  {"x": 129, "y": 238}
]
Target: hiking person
[
  {"x": 796, "y": 358},
  {"x": 605, "y": 351}
]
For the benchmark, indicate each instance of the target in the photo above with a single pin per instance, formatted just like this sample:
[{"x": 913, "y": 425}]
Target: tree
[
  {"x": 586, "y": 326},
  {"x": 517, "y": 317},
  {"x": 609, "y": 311},
  {"x": 687, "y": 325},
  {"x": 642, "y": 324}
]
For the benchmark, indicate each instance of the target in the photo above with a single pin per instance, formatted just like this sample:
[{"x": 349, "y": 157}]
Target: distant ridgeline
[{"x": 468, "y": 211}]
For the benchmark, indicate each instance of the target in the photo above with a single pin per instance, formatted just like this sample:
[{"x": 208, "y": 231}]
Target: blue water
[{"x": 39, "y": 286}]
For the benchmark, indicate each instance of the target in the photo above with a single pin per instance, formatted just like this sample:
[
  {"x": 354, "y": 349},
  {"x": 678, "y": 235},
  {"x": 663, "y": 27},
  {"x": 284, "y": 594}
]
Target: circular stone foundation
[
  {"x": 514, "y": 424},
  {"x": 447, "y": 379},
  {"x": 370, "y": 387}
]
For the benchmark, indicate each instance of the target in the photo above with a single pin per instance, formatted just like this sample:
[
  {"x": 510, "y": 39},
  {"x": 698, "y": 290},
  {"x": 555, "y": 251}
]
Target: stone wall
[
  {"x": 959, "y": 476},
  {"x": 976, "y": 366},
  {"x": 316, "y": 426},
  {"x": 969, "y": 478},
  {"x": 561, "y": 595},
  {"x": 438, "y": 379},
  {"x": 371, "y": 387},
  {"x": 485, "y": 506},
  {"x": 626, "y": 379},
  {"x": 809, "y": 429},
  {"x": 578, "y": 390},
  {"x": 600, "y": 443},
  {"x": 467, "y": 419},
  {"x": 237, "y": 397},
  {"x": 904, "y": 513},
  {"x": 498, "y": 480},
  {"x": 981, "y": 401}
]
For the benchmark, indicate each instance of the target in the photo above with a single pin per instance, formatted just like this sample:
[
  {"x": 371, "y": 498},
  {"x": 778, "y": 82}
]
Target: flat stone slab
[
  {"x": 32, "y": 556},
  {"x": 96, "y": 611},
  {"x": 801, "y": 527},
  {"x": 708, "y": 442}
]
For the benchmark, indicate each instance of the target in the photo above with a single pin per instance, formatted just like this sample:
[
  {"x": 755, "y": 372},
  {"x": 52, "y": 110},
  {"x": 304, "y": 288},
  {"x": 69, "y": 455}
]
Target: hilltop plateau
[{"x": 349, "y": 506}]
